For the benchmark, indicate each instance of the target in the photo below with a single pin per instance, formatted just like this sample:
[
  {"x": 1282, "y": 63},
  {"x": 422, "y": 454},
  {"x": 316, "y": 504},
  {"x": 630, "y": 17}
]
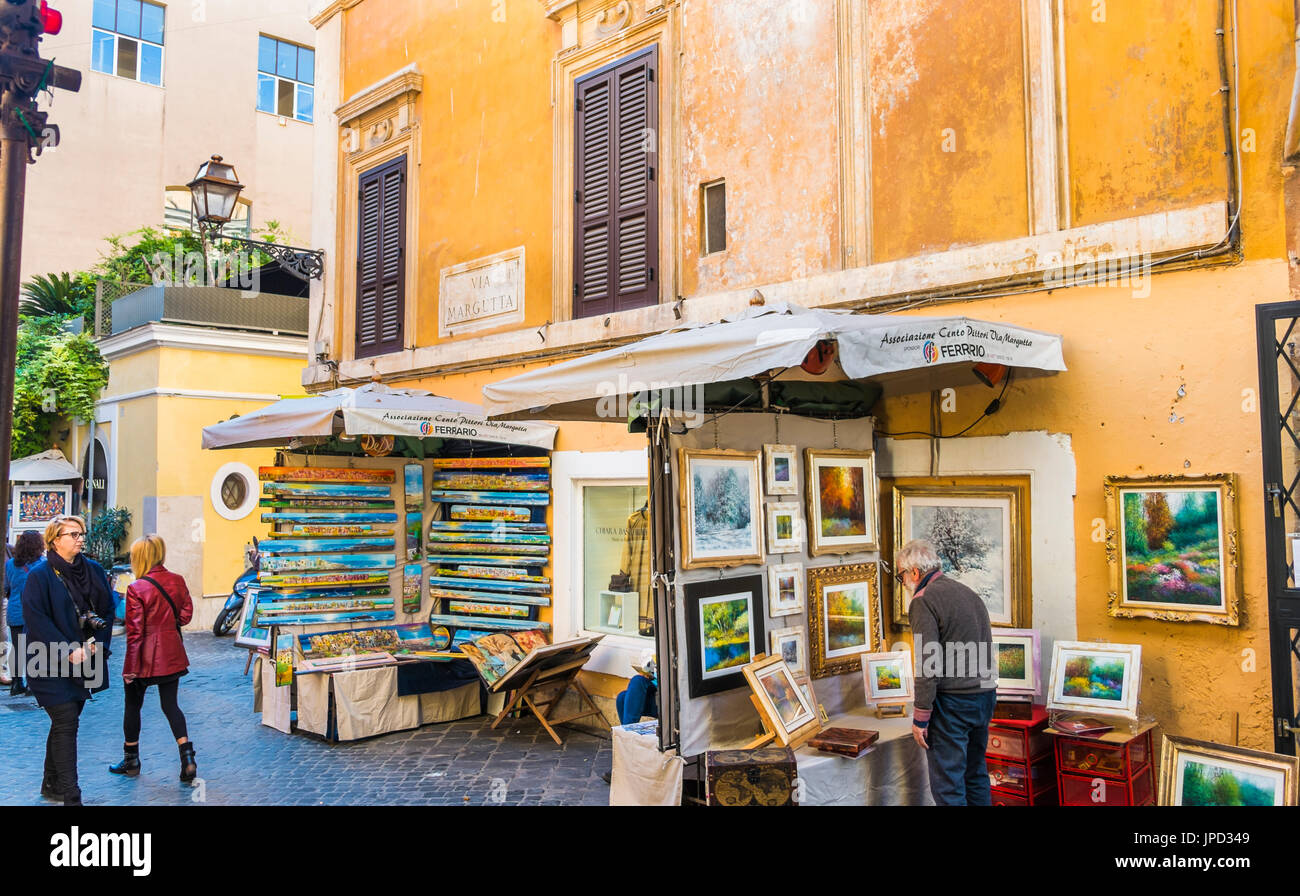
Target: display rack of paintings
[
  {"x": 488, "y": 545},
  {"x": 844, "y": 617},
  {"x": 332, "y": 546},
  {"x": 1172, "y": 546}
]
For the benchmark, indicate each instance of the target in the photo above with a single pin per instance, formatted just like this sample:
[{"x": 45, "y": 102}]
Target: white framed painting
[
  {"x": 788, "y": 643},
  {"x": 780, "y": 466},
  {"x": 784, "y": 527},
  {"x": 1018, "y": 654},
  {"x": 1096, "y": 678},
  {"x": 785, "y": 589},
  {"x": 35, "y": 505},
  {"x": 887, "y": 677}
]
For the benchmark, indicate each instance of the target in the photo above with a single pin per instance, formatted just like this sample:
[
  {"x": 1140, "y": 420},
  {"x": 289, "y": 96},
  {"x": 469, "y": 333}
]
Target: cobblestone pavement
[{"x": 242, "y": 762}]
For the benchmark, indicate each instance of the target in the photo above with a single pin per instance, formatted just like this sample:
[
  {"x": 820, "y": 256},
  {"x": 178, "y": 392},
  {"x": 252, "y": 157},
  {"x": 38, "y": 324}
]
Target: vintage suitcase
[
  {"x": 762, "y": 777},
  {"x": 851, "y": 742}
]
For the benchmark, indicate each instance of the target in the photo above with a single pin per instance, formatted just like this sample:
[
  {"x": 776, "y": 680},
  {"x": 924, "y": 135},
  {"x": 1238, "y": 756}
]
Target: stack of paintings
[
  {"x": 331, "y": 549},
  {"x": 488, "y": 544}
]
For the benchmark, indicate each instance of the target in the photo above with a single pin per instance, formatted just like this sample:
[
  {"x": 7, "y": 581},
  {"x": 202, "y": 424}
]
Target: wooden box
[{"x": 761, "y": 777}]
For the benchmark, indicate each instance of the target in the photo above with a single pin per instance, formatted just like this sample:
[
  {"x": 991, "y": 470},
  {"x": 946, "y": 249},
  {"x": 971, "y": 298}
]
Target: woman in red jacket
[{"x": 157, "y": 605}]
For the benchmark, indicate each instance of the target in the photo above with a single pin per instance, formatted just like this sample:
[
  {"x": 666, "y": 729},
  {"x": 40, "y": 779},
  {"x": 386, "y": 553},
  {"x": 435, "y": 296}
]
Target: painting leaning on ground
[
  {"x": 1213, "y": 784},
  {"x": 1172, "y": 547}
]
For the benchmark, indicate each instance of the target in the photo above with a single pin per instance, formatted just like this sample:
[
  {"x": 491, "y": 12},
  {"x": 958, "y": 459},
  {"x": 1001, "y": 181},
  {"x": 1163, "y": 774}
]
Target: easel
[
  {"x": 769, "y": 729},
  {"x": 560, "y": 674}
]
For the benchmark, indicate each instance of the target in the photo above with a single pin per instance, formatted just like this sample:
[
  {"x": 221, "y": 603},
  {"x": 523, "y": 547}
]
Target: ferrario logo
[{"x": 930, "y": 351}]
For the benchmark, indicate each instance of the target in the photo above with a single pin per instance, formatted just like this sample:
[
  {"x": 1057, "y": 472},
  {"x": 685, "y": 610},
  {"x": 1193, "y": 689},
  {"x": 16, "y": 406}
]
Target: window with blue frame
[
  {"x": 127, "y": 39},
  {"x": 286, "y": 75}
]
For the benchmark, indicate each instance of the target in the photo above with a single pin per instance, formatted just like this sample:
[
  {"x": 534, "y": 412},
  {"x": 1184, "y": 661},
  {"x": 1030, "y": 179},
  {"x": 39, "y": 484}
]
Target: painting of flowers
[
  {"x": 1172, "y": 545},
  {"x": 1011, "y": 661},
  {"x": 1101, "y": 678},
  {"x": 1094, "y": 677}
]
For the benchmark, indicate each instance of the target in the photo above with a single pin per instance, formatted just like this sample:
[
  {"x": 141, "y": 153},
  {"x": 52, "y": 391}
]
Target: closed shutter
[
  {"x": 616, "y": 197},
  {"x": 381, "y": 255}
]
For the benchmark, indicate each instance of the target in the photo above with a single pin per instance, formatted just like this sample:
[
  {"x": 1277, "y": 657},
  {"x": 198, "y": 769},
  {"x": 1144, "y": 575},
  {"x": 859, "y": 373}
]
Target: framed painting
[
  {"x": 35, "y": 505},
  {"x": 979, "y": 525},
  {"x": 785, "y": 589},
  {"x": 780, "y": 468},
  {"x": 784, "y": 527},
  {"x": 724, "y": 632},
  {"x": 841, "y": 501},
  {"x": 719, "y": 508},
  {"x": 844, "y": 619},
  {"x": 788, "y": 644},
  {"x": 1018, "y": 652},
  {"x": 806, "y": 688},
  {"x": 1097, "y": 678},
  {"x": 1171, "y": 542},
  {"x": 247, "y": 634},
  {"x": 1198, "y": 773},
  {"x": 887, "y": 677},
  {"x": 792, "y": 716}
]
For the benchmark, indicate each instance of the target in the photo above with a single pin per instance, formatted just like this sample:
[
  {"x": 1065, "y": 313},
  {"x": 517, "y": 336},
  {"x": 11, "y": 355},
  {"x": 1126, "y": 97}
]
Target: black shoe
[
  {"x": 189, "y": 768},
  {"x": 49, "y": 793},
  {"x": 130, "y": 764}
]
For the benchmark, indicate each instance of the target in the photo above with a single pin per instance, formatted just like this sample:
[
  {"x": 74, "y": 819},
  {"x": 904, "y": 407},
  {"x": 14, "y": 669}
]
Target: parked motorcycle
[
  {"x": 117, "y": 571},
  {"x": 228, "y": 618}
]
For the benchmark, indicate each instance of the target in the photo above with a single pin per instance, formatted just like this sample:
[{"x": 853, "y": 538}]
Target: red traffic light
[{"x": 51, "y": 19}]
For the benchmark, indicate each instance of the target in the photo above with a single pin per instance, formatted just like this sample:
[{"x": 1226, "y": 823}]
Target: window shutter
[
  {"x": 381, "y": 254},
  {"x": 616, "y": 233}
]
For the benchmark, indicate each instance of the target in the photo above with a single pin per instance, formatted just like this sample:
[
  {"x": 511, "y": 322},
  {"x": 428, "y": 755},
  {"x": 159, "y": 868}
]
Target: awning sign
[{"x": 358, "y": 421}]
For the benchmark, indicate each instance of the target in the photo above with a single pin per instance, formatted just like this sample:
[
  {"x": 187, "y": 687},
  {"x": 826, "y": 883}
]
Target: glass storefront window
[{"x": 616, "y": 596}]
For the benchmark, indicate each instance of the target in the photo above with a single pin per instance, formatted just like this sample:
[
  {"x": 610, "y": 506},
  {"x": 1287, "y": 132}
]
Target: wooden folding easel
[{"x": 560, "y": 674}]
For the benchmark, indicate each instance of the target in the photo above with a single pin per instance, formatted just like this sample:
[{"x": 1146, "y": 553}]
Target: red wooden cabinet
[
  {"x": 1021, "y": 761},
  {"x": 1112, "y": 770}
]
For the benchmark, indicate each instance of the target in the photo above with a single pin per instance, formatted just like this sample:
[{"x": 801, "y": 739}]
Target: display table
[{"x": 893, "y": 771}]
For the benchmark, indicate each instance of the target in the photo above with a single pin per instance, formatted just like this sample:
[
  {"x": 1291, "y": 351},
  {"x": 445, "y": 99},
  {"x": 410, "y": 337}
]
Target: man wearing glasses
[{"x": 68, "y": 608}]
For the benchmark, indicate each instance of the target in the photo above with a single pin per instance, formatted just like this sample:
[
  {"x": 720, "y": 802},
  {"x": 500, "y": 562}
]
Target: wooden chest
[{"x": 762, "y": 777}]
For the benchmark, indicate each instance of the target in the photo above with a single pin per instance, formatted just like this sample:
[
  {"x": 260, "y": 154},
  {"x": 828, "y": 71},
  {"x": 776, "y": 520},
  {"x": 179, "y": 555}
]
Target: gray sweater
[{"x": 953, "y": 642}]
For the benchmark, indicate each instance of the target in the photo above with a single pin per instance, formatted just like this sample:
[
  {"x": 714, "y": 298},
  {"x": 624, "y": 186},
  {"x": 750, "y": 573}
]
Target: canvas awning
[
  {"x": 48, "y": 466},
  {"x": 372, "y": 409},
  {"x": 899, "y": 354}
]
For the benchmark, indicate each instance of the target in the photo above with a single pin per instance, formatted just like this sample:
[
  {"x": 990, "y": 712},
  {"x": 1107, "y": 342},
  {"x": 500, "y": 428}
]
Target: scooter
[{"x": 228, "y": 618}]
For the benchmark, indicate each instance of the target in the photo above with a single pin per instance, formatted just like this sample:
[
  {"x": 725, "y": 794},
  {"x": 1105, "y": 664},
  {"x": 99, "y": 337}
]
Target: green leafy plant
[
  {"x": 57, "y": 295},
  {"x": 57, "y": 374},
  {"x": 107, "y": 532}
]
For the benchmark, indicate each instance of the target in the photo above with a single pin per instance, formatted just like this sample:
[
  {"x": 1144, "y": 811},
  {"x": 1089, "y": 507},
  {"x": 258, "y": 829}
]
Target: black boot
[
  {"x": 18, "y": 688},
  {"x": 189, "y": 768},
  {"x": 50, "y": 789},
  {"x": 130, "y": 764}
]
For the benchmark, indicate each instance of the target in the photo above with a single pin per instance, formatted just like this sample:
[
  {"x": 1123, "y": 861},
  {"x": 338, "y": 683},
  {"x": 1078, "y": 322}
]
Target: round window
[{"x": 234, "y": 491}]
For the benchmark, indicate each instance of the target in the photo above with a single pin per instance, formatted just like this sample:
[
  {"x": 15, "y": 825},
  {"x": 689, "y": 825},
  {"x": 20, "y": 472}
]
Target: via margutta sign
[{"x": 487, "y": 292}]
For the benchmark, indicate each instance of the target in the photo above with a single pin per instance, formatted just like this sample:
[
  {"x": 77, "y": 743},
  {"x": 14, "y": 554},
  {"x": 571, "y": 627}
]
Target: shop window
[
  {"x": 616, "y": 595},
  {"x": 616, "y": 192},
  {"x": 126, "y": 39},
  {"x": 286, "y": 75},
  {"x": 381, "y": 259},
  {"x": 713, "y": 217}
]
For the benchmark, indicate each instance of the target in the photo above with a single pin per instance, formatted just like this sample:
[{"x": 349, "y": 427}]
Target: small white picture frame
[
  {"x": 784, "y": 527},
  {"x": 785, "y": 589},
  {"x": 781, "y": 469}
]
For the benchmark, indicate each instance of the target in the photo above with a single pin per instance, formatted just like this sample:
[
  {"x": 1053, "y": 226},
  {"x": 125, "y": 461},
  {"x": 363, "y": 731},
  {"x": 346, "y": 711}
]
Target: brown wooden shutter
[
  {"x": 381, "y": 256},
  {"x": 616, "y": 196}
]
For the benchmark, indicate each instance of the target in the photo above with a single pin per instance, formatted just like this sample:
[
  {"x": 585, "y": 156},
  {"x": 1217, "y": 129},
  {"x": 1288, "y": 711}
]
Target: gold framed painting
[
  {"x": 790, "y": 714},
  {"x": 980, "y": 526},
  {"x": 1171, "y": 542},
  {"x": 841, "y": 501},
  {"x": 720, "y": 507},
  {"x": 844, "y": 617},
  {"x": 1199, "y": 773}
]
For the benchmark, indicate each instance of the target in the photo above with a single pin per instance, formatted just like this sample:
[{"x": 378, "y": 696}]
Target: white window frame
[
  {"x": 571, "y": 472},
  {"x": 139, "y": 59},
  {"x": 294, "y": 81}
]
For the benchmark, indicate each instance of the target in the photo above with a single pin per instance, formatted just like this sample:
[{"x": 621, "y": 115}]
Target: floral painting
[
  {"x": 1101, "y": 678},
  {"x": 1172, "y": 547},
  {"x": 1094, "y": 678}
]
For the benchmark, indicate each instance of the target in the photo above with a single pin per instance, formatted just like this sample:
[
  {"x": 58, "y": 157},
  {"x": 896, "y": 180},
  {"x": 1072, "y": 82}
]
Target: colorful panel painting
[
  {"x": 413, "y": 546},
  {"x": 328, "y": 561},
  {"x": 508, "y": 610},
  {"x": 460, "y": 594},
  {"x": 506, "y": 586},
  {"x": 489, "y": 463},
  {"x": 492, "y": 572},
  {"x": 495, "y": 526},
  {"x": 526, "y": 482},
  {"x": 467, "y": 548},
  {"x": 325, "y": 504},
  {"x": 413, "y": 479},
  {"x": 490, "y": 512},
  {"x": 482, "y": 559},
  {"x": 36, "y": 505},
  {"x": 358, "y": 530},
  {"x": 323, "y": 579},
  {"x": 323, "y": 545},
  {"x": 323, "y": 474},
  {"x": 484, "y": 622},
  {"x": 532, "y": 499},
  {"x": 411, "y": 584},
  {"x": 326, "y": 490},
  {"x": 299, "y": 516},
  {"x": 489, "y": 538}
]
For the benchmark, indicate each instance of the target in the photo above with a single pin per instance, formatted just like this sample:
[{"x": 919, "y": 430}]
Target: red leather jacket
[{"x": 153, "y": 646}]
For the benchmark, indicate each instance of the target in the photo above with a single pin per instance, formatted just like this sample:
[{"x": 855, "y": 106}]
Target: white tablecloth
[{"x": 892, "y": 773}]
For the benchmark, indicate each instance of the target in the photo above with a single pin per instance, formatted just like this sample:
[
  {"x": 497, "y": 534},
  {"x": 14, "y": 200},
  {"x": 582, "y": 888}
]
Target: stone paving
[{"x": 242, "y": 762}]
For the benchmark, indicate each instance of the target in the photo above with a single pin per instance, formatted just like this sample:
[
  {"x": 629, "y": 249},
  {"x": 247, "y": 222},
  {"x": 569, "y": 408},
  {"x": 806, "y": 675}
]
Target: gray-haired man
[{"x": 955, "y": 678}]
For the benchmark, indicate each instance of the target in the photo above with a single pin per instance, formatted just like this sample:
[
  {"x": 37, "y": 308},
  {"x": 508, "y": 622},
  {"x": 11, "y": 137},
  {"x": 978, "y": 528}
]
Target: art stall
[
  {"x": 405, "y": 562},
  {"x": 42, "y": 487},
  {"x": 768, "y": 550}
]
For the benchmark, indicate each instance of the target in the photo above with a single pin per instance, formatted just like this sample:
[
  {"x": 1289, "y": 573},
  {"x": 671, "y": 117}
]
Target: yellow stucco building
[{"x": 1108, "y": 171}]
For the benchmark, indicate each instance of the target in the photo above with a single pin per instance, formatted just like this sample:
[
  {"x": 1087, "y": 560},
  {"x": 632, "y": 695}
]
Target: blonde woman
[
  {"x": 67, "y": 611},
  {"x": 157, "y": 605}
]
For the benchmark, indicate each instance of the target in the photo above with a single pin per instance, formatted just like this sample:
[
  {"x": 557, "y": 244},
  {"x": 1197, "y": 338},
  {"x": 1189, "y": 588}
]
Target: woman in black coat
[{"x": 68, "y": 610}]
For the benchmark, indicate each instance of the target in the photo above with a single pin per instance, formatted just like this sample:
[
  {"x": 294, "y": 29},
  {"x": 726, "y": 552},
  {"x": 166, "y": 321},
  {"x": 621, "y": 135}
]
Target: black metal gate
[{"x": 1278, "y": 336}]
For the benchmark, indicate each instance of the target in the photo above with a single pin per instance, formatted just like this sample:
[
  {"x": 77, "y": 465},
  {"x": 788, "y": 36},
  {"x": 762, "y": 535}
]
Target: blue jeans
[
  {"x": 637, "y": 701},
  {"x": 958, "y": 737}
]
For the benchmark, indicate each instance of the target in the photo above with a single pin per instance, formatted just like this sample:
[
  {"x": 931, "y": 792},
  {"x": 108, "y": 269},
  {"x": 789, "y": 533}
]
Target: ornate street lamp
[{"x": 214, "y": 193}]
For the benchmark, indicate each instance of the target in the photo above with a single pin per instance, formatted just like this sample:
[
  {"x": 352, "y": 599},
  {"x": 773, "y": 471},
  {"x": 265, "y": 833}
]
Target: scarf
[{"x": 87, "y": 591}]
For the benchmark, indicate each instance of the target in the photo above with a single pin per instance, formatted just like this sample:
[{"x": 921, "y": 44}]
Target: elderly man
[{"x": 956, "y": 679}]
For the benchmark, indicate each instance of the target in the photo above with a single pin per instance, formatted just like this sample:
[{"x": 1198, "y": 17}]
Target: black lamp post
[{"x": 214, "y": 193}]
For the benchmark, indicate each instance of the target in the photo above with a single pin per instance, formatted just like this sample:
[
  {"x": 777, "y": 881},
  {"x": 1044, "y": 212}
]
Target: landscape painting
[
  {"x": 1095, "y": 677},
  {"x": 787, "y": 643},
  {"x": 1018, "y": 657},
  {"x": 780, "y": 469},
  {"x": 781, "y": 691},
  {"x": 720, "y": 507},
  {"x": 887, "y": 677},
  {"x": 845, "y": 608},
  {"x": 1198, "y": 773},
  {"x": 1173, "y": 548},
  {"x": 841, "y": 501},
  {"x": 785, "y": 587},
  {"x": 725, "y": 631},
  {"x": 790, "y": 715},
  {"x": 843, "y": 617}
]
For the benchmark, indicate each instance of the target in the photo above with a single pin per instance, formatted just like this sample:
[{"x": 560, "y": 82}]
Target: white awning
[
  {"x": 48, "y": 466},
  {"x": 902, "y": 354}
]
